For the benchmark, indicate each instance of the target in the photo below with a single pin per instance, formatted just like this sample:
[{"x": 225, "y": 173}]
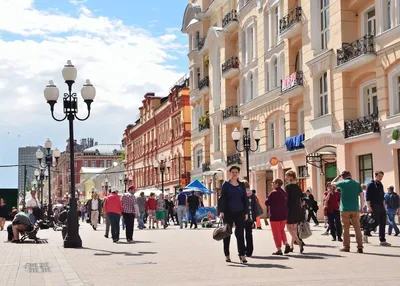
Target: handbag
[
  {"x": 222, "y": 231},
  {"x": 304, "y": 230}
]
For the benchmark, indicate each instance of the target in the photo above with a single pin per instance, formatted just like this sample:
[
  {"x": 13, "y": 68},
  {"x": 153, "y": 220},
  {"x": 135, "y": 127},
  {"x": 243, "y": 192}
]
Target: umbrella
[
  {"x": 148, "y": 192},
  {"x": 197, "y": 187}
]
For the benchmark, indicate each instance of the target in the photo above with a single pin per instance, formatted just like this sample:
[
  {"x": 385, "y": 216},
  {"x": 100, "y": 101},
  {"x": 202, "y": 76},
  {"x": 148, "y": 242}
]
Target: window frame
[
  {"x": 324, "y": 24},
  {"x": 198, "y": 156},
  {"x": 271, "y": 134},
  {"x": 300, "y": 121},
  {"x": 323, "y": 94},
  {"x": 362, "y": 169}
]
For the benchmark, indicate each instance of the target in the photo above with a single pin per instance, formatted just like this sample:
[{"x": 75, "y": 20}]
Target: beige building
[{"x": 320, "y": 79}]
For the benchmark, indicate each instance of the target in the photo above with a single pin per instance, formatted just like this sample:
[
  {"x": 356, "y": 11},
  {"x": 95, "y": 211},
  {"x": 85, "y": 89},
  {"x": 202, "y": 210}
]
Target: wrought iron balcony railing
[
  {"x": 361, "y": 126},
  {"x": 289, "y": 20},
  {"x": 230, "y": 112},
  {"x": 233, "y": 160},
  {"x": 231, "y": 16},
  {"x": 201, "y": 43},
  {"x": 205, "y": 82},
  {"x": 363, "y": 46},
  {"x": 206, "y": 167},
  {"x": 291, "y": 81},
  {"x": 231, "y": 63}
]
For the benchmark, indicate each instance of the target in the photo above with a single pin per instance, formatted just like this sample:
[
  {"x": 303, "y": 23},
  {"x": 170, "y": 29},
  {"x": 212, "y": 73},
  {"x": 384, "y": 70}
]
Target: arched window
[
  {"x": 251, "y": 84},
  {"x": 274, "y": 72}
]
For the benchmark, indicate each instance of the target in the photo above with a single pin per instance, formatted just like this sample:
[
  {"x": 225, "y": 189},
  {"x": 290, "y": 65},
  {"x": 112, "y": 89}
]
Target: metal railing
[
  {"x": 231, "y": 63},
  {"x": 230, "y": 112},
  {"x": 201, "y": 43},
  {"x": 233, "y": 160},
  {"x": 205, "y": 82},
  {"x": 287, "y": 21},
  {"x": 362, "y": 46},
  {"x": 361, "y": 125},
  {"x": 231, "y": 16},
  {"x": 291, "y": 81}
]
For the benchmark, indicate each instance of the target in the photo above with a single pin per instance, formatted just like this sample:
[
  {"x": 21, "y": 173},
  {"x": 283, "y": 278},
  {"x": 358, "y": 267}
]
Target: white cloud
[
  {"x": 77, "y": 2},
  {"x": 122, "y": 61}
]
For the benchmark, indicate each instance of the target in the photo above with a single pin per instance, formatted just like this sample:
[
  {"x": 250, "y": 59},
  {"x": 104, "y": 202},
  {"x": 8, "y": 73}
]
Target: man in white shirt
[
  {"x": 94, "y": 206},
  {"x": 30, "y": 204}
]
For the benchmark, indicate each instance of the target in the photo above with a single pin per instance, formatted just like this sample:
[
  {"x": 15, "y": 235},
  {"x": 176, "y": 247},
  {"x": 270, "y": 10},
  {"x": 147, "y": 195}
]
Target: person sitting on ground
[{"x": 22, "y": 223}]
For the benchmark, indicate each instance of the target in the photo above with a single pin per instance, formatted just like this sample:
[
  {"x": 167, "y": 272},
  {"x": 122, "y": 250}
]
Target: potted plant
[{"x": 207, "y": 61}]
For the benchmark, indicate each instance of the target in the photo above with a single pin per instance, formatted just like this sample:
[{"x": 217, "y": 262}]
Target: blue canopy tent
[{"x": 197, "y": 187}]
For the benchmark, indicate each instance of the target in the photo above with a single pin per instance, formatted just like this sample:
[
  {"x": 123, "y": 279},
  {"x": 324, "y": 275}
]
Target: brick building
[{"x": 163, "y": 128}]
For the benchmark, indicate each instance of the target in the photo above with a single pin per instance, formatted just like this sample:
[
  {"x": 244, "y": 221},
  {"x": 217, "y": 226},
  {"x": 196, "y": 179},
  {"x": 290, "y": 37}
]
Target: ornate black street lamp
[
  {"x": 161, "y": 166},
  {"x": 125, "y": 179},
  {"x": 70, "y": 102},
  {"x": 41, "y": 174},
  {"x": 48, "y": 163},
  {"x": 246, "y": 141}
]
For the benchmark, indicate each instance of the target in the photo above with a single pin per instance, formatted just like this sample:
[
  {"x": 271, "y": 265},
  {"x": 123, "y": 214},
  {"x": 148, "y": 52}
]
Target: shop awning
[{"x": 197, "y": 187}]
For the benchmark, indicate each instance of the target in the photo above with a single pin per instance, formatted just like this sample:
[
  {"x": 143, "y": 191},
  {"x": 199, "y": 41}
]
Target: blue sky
[{"x": 126, "y": 48}]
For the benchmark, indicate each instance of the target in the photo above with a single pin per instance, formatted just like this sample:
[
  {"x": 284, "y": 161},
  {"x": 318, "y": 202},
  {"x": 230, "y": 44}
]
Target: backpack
[{"x": 393, "y": 201}]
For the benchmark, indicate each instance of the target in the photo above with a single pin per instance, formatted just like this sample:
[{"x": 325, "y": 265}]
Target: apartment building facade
[
  {"x": 163, "y": 128},
  {"x": 320, "y": 79}
]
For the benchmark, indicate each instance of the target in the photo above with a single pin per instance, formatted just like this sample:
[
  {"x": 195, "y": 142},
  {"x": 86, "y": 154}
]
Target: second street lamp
[
  {"x": 41, "y": 175},
  {"x": 48, "y": 163},
  {"x": 246, "y": 141},
  {"x": 125, "y": 180},
  {"x": 161, "y": 166}
]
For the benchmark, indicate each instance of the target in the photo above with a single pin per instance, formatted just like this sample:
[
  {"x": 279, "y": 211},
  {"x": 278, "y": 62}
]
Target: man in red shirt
[
  {"x": 113, "y": 209},
  {"x": 332, "y": 202}
]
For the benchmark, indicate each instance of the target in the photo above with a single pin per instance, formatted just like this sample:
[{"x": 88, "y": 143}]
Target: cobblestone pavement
[{"x": 191, "y": 257}]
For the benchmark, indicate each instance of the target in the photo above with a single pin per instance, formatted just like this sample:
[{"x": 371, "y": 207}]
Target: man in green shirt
[{"x": 351, "y": 195}]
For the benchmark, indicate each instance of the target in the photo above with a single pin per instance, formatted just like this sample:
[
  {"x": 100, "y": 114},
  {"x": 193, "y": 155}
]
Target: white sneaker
[{"x": 384, "y": 243}]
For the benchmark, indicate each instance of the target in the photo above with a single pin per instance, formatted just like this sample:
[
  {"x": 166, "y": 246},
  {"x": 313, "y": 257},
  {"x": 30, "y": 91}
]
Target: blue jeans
[
  {"x": 140, "y": 220},
  {"x": 32, "y": 218},
  {"x": 392, "y": 223}
]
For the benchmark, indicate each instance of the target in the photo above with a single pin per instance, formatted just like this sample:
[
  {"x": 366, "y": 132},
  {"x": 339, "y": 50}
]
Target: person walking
[
  {"x": 151, "y": 206},
  {"x": 376, "y": 205},
  {"x": 312, "y": 207},
  {"x": 141, "y": 201},
  {"x": 332, "y": 203},
  {"x": 233, "y": 207},
  {"x": 160, "y": 212},
  {"x": 351, "y": 195},
  {"x": 129, "y": 209},
  {"x": 253, "y": 210},
  {"x": 277, "y": 201},
  {"x": 180, "y": 201},
  {"x": 83, "y": 212},
  {"x": 392, "y": 206},
  {"x": 193, "y": 203},
  {"x": 31, "y": 203},
  {"x": 94, "y": 209},
  {"x": 3, "y": 213},
  {"x": 295, "y": 210},
  {"x": 113, "y": 208}
]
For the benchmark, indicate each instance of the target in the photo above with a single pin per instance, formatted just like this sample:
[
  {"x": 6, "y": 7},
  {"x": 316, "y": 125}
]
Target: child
[{"x": 151, "y": 206}]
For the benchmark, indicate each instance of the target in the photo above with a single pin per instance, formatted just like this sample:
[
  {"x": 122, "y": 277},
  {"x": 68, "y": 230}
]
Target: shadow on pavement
[
  {"x": 382, "y": 254},
  {"x": 271, "y": 257},
  {"x": 314, "y": 255},
  {"x": 107, "y": 252},
  {"x": 321, "y": 246},
  {"x": 258, "y": 265}
]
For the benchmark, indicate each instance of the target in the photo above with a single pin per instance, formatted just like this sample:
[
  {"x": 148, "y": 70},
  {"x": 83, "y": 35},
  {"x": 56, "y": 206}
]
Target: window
[
  {"x": 251, "y": 43},
  {"x": 371, "y": 22},
  {"x": 85, "y": 163},
  {"x": 244, "y": 47},
  {"x": 198, "y": 79},
  {"x": 275, "y": 73},
  {"x": 108, "y": 164},
  {"x": 271, "y": 135},
  {"x": 370, "y": 100},
  {"x": 365, "y": 167},
  {"x": 93, "y": 163},
  {"x": 302, "y": 175},
  {"x": 197, "y": 39},
  {"x": 323, "y": 94},
  {"x": 101, "y": 164},
  {"x": 266, "y": 32},
  {"x": 217, "y": 138},
  {"x": 199, "y": 158},
  {"x": 251, "y": 83},
  {"x": 266, "y": 81},
  {"x": 324, "y": 12},
  {"x": 282, "y": 131},
  {"x": 277, "y": 21},
  {"x": 389, "y": 12},
  {"x": 394, "y": 90},
  {"x": 300, "y": 118}
]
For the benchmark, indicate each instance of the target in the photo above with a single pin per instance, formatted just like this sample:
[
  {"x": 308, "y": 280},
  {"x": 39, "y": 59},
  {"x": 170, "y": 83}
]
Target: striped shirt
[{"x": 128, "y": 203}]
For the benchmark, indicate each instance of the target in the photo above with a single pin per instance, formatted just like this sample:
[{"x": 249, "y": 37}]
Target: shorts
[
  {"x": 160, "y": 214},
  {"x": 151, "y": 213}
]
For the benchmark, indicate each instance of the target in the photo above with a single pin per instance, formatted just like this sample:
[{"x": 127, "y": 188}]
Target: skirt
[{"x": 160, "y": 214}]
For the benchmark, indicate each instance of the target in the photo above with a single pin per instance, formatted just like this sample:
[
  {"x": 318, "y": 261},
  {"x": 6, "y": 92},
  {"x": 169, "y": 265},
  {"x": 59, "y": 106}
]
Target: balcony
[
  {"x": 230, "y": 68},
  {"x": 361, "y": 126},
  {"x": 230, "y": 22},
  {"x": 233, "y": 160},
  {"x": 292, "y": 85},
  {"x": 231, "y": 114},
  {"x": 356, "y": 54},
  {"x": 204, "y": 123},
  {"x": 204, "y": 86},
  {"x": 290, "y": 24},
  {"x": 201, "y": 42},
  {"x": 206, "y": 167},
  {"x": 294, "y": 143}
]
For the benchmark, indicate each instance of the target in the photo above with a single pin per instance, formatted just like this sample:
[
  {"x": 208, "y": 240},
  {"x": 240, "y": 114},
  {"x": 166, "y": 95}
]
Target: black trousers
[
  {"x": 311, "y": 215},
  {"x": 193, "y": 216},
  {"x": 171, "y": 216},
  {"x": 380, "y": 216},
  {"x": 248, "y": 229},
  {"x": 335, "y": 224},
  {"x": 114, "y": 223},
  {"x": 9, "y": 233},
  {"x": 238, "y": 219},
  {"x": 130, "y": 224}
]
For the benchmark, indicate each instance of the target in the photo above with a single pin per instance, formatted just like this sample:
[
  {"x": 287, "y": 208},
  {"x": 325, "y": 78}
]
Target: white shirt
[
  {"x": 31, "y": 203},
  {"x": 95, "y": 204}
]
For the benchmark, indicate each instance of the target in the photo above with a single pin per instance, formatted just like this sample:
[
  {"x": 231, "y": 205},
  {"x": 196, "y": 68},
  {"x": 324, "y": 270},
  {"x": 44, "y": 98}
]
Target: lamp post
[
  {"x": 41, "y": 174},
  {"x": 161, "y": 166},
  {"x": 246, "y": 141},
  {"x": 106, "y": 185},
  {"x": 48, "y": 163},
  {"x": 70, "y": 102},
  {"x": 125, "y": 180}
]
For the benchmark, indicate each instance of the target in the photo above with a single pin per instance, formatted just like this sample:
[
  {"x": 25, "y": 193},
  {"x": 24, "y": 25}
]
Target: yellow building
[{"x": 320, "y": 79}]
